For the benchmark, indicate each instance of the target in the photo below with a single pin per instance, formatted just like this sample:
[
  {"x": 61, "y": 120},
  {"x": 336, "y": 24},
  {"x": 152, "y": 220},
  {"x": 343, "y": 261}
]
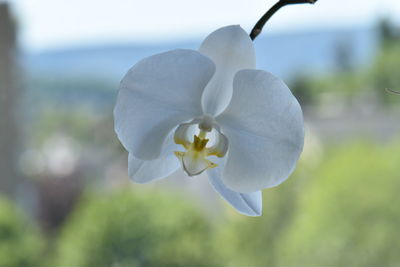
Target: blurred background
[{"x": 66, "y": 199}]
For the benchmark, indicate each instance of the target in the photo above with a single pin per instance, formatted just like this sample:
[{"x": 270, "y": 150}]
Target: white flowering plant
[{"x": 210, "y": 110}]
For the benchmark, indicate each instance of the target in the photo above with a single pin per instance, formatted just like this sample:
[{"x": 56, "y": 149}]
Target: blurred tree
[
  {"x": 20, "y": 243},
  {"x": 9, "y": 145},
  {"x": 344, "y": 55},
  {"x": 94, "y": 148},
  {"x": 384, "y": 72},
  {"x": 132, "y": 229},
  {"x": 254, "y": 241},
  {"x": 342, "y": 213},
  {"x": 301, "y": 86},
  {"x": 356, "y": 85},
  {"x": 348, "y": 216},
  {"x": 387, "y": 32}
]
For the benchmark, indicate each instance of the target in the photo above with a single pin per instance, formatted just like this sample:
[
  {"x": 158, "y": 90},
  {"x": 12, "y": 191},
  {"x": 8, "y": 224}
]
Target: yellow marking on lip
[
  {"x": 199, "y": 144},
  {"x": 194, "y": 159}
]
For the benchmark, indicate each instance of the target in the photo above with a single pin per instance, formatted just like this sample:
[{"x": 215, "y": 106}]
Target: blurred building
[{"x": 9, "y": 92}]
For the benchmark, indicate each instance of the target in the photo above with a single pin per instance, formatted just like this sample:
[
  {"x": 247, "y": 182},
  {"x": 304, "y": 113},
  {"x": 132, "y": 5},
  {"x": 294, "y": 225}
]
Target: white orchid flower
[{"x": 210, "y": 110}]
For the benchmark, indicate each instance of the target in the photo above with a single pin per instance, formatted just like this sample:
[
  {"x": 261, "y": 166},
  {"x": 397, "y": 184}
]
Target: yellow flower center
[{"x": 194, "y": 160}]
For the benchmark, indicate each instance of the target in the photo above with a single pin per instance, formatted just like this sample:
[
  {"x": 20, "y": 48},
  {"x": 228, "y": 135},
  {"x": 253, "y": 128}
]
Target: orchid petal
[
  {"x": 156, "y": 95},
  {"x": 264, "y": 125},
  {"x": 144, "y": 171},
  {"x": 246, "y": 203},
  {"x": 231, "y": 49}
]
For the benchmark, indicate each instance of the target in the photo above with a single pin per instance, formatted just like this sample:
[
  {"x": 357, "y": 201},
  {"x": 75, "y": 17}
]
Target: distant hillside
[
  {"x": 89, "y": 76},
  {"x": 282, "y": 54}
]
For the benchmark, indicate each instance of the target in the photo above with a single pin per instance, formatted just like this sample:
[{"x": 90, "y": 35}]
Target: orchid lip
[{"x": 194, "y": 160}]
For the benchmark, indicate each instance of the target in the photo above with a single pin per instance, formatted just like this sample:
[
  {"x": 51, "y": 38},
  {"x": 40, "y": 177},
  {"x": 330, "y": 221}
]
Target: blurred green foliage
[
  {"x": 62, "y": 92},
  {"x": 349, "y": 83},
  {"x": 81, "y": 125},
  {"x": 247, "y": 241},
  {"x": 132, "y": 229},
  {"x": 385, "y": 72},
  {"x": 340, "y": 212},
  {"x": 388, "y": 32},
  {"x": 344, "y": 213},
  {"x": 20, "y": 243},
  {"x": 349, "y": 215}
]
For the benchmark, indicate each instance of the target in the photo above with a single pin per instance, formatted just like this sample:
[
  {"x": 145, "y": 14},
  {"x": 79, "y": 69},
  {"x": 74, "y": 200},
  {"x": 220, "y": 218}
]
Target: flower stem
[
  {"x": 393, "y": 91},
  {"x": 260, "y": 24}
]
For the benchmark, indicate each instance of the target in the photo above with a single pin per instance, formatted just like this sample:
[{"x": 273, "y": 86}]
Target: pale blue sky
[{"x": 59, "y": 23}]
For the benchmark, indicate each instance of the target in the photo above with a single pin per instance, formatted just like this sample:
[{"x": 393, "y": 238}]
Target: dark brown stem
[{"x": 260, "y": 24}]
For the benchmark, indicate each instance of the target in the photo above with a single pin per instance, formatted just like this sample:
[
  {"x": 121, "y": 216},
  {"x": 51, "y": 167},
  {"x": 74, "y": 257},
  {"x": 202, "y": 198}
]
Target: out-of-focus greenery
[
  {"x": 81, "y": 125},
  {"x": 132, "y": 229},
  {"x": 348, "y": 83},
  {"x": 20, "y": 243},
  {"x": 64, "y": 92},
  {"x": 342, "y": 213},
  {"x": 385, "y": 71},
  {"x": 252, "y": 242},
  {"x": 349, "y": 214},
  {"x": 311, "y": 90}
]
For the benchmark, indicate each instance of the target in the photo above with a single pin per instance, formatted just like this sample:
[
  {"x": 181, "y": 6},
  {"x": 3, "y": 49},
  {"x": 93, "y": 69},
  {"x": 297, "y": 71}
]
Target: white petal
[
  {"x": 231, "y": 49},
  {"x": 246, "y": 203},
  {"x": 144, "y": 171},
  {"x": 264, "y": 125},
  {"x": 156, "y": 95}
]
